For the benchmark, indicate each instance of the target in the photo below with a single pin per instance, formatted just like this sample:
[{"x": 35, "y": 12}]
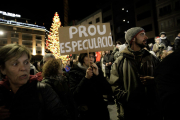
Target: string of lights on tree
[{"x": 52, "y": 43}]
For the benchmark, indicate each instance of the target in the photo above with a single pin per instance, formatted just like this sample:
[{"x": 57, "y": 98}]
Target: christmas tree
[{"x": 52, "y": 44}]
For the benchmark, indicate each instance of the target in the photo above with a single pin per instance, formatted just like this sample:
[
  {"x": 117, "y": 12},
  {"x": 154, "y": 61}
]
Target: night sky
[{"x": 43, "y": 12}]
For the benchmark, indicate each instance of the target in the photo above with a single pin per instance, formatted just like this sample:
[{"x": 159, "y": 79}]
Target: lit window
[
  {"x": 1, "y": 33},
  {"x": 126, "y": 10},
  {"x": 127, "y": 21},
  {"x": 122, "y": 8},
  {"x": 124, "y": 20}
]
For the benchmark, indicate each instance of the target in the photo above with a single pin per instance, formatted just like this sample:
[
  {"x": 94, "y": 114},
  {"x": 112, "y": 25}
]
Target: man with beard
[{"x": 132, "y": 79}]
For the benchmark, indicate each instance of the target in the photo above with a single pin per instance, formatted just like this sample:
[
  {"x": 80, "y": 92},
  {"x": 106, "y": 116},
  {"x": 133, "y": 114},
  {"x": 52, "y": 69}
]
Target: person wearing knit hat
[
  {"x": 164, "y": 39},
  {"x": 132, "y": 76},
  {"x": 132, "y": 33}
]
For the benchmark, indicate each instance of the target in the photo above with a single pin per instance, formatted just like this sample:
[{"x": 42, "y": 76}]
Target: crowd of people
[{"x": 139, "y": 77}]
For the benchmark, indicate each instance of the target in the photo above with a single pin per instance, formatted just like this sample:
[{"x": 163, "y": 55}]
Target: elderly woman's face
[{"x": 17, "y": 70}]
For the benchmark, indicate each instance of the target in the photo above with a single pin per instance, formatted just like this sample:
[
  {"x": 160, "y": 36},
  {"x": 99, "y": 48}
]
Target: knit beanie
[
  {"x": 132, "y": 33},
  {"x": 162, "y": 33}
]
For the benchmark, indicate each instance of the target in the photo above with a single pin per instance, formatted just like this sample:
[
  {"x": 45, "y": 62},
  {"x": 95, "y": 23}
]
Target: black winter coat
[
  {"x": 27, "y": 105},
  {"x": 167, "y": 77},
  {"x": 61, "y": 86},
  {"x": 108, "y": 58},
  {"x": 166, "y": 42},
  {"x": 177, "y": 43},
  {"x": 89, "y": 93}
]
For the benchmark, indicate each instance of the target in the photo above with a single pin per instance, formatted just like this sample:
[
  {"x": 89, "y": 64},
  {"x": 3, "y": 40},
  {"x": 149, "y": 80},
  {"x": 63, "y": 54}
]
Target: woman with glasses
[{"x": 88, "y": 86}]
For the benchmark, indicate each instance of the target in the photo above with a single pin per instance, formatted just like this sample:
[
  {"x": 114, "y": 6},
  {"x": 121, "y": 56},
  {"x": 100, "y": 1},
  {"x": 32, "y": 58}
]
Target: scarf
[
  {"x": 136, "y": 53},
  {"x": 81, "y": 66}
]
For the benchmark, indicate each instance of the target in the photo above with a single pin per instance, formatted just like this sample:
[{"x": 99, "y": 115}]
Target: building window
[
  {"x": 38, "y": 43},
  {"x": 26, "y": 37},
  {"x": 147, "y": 28},
  {"x": 4, "y": 42},
  {"x": 108, "y": 18},
  {"x": 27, "y": 43},
  {"x": 177, "y": 5},
  {"x": 14, "y": 34},
  {"x": 111, "y": 27},
  {"x": 143, "y": 15},
  {"x": 39, "y": 52},
  {"x": 178, "y": 22},
  {"x": 141, "y": 3},
  {"x": 90, "y": 22},
  {"x": 162, "y": 26},
  {"x": 97, "y": 20},
  {"x": 118, "y": 30},
  {"x": 38, "y": 37},
  {"x": 165, "y": 10}
]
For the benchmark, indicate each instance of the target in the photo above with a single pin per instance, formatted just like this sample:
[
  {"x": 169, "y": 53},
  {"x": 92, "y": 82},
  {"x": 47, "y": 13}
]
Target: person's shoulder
[
  {"x": 75, "y": 69},
  {"x": 177, "y": 38},
  {"x": 173, "y": 57}
]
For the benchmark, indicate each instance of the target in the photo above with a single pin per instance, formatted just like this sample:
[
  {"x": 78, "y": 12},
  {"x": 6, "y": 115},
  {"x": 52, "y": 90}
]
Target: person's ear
[
  {"x": 2, "y": 71},
  {"x": 134, "y": 40}
]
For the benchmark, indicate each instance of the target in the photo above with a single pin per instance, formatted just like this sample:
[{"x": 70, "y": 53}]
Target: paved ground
[{"x": 112, "y": 112}]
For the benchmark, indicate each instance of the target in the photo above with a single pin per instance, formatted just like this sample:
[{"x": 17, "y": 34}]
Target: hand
[
  {"x": 147, "y": 80},
  {"x": 110, "y": 63},
  {"x": 4, "y": 113},
  {"x": 107, "y": 64},
  {"x": 95, "y": 69},
  {"x": 89, "y": 73}
]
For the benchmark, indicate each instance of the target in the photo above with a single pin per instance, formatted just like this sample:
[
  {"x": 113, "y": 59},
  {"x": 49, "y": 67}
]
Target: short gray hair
[{"x": 48, "y": 55}]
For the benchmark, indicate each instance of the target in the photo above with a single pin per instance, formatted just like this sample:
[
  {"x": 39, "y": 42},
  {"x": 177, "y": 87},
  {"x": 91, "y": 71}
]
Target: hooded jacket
[
  {"x": 165, "y": 41},
  {"x": 26, "y": 104},
  {"x": 108, "y": 58},
  {"x": 133, "y": 99}
]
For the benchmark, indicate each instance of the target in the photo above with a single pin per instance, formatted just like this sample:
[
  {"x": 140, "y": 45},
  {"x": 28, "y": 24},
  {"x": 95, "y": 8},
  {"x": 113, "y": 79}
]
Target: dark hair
[
  {"x": 118, "y": 42},
  {"x": 41, "y": 63},
  {"x": 51, "y": 68},
  {"x": 35, "y": 64},
  {"x": 83, "y": 55}
]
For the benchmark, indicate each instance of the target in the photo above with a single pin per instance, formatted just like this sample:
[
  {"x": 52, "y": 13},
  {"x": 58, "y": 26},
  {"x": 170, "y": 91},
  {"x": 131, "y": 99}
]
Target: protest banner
[{"x": 83, "y": 38}]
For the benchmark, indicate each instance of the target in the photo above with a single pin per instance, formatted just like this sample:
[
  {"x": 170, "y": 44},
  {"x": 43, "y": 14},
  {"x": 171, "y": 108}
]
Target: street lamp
[{"x": 1, "y": 32}]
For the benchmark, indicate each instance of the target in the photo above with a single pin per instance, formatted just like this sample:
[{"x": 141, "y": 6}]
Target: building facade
[
  {"x": 145, "y": 14},
  {"x": 95, "y": 17},
  {"x": 119, "y": 14},
  {"x": 30, "y": 35},
  {"x": 107, "y": 17},
  {"x": 123, "y": 18},
  {"x": 168, "y": 17}
]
